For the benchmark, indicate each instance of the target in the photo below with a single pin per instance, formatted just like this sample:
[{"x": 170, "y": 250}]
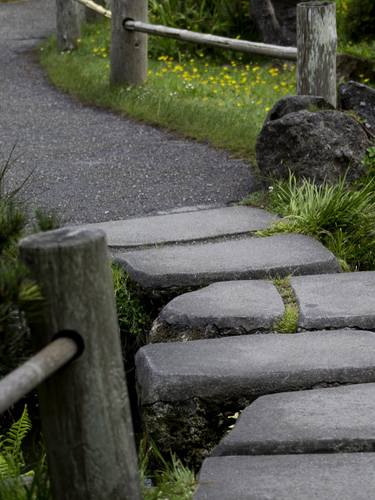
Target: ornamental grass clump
[{"x": 341, "y": 217}]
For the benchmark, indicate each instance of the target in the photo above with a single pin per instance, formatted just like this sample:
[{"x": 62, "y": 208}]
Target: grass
[
  {"x": 289, "y": 322},
  {"x": 342, "y": 217},
  {"x": 171, "y": 481},
  {"x": 224, "y": 104}
]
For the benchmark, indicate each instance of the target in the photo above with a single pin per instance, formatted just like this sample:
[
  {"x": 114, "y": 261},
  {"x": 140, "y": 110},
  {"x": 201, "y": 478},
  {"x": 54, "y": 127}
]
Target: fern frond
[{"x": 11, "y": 444}]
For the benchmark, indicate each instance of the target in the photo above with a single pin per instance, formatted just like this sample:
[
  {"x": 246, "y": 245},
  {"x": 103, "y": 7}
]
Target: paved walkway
[{"x": 91, "y": 165}]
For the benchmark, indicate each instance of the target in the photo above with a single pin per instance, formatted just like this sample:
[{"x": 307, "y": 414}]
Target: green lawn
[{"x": 224, "y": 104}]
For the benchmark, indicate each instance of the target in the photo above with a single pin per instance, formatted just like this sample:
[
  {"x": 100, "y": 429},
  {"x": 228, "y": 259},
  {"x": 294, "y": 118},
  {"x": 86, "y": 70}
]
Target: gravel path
[{"x": 91, "y": 165}]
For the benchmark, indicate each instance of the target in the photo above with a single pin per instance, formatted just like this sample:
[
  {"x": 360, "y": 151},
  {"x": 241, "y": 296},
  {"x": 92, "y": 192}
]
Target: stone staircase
[{"x": 214, "y": 353}]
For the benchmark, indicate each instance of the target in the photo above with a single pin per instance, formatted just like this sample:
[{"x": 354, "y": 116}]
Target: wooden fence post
[
  {"x": 317, "y": 47},
  {"x": 85, "y": 409},
  {"x": 69, "y": 17},
  {"x": 128, "y": 48}
]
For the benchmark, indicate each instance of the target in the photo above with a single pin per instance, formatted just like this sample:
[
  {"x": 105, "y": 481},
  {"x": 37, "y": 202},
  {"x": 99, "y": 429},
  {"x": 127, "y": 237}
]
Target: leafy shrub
[
  {"x": 219, "y": 17},
  {"x": 342, "y": 218},
  {"x": 360, "y": 19}
]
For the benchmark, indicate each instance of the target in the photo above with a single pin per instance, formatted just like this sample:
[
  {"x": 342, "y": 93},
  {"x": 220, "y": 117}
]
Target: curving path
[{"x": 91, "y": 165}]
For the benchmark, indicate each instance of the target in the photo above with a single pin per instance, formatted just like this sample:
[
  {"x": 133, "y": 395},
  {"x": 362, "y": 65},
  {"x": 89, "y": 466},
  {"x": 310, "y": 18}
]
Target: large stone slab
[
  {"x": 253, "y": 365},
  {"x": 224, "y": 308},
  {"x": 336, "y": 301},
  {"x": 246, "y": 258},
  {"x": 288, "y": 477},
  {"x": 187, "y": 390},
  {"x": 331, "y": 420},
  {"x": 185, "y": 225}
]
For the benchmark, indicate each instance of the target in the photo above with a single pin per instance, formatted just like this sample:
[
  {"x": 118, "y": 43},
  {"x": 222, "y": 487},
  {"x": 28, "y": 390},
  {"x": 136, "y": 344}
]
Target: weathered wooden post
[
  {"x": 128, "y": 48},
  {"x": 69, "y": 17},
  {"x": 317, "y": 46},
  {"x": 85, "y": 409}
]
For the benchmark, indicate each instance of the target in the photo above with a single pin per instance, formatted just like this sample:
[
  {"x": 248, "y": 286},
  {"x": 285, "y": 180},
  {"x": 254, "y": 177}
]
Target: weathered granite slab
[
  {"x": 252, "y": 365},
  {"x": 224, "y": 308},
  {"x": 339, "y": 419},
  {"x": 246, "y": 258},
  {"x": 190, "y": 225},
  {"x": 336, "y": 301},
  {"x": 288, "y": 477},
  {"x": 187, "y": 390}
]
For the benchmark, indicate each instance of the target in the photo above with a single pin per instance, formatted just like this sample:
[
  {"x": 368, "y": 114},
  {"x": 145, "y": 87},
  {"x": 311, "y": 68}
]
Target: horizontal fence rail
[
  {"x": 315, "y": 52},
  {"x": 36, "y": 370},
  {"x": 96, "y": 8},
  {"x": 213, "y": 40}
]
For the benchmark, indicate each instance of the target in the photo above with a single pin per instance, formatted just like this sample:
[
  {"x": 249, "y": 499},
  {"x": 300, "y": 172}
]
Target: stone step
[
  {"x": 184, "y": 386},
  {"x": 224, "y": 308},
  {"x": 336, "y": 301},
  {"x": 186, "y": 224},
  {"x": 288, "y": 477},
  {"x": 193, "y": 265},
  {"x": 331, "y": 420}
]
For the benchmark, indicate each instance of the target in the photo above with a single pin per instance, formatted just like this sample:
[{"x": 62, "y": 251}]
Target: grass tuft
[
  {"x": 341, "y": 217},
  {"x": 289, "y": 322}
]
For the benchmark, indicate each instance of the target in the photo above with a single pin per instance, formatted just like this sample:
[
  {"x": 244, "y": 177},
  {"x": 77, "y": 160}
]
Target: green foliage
[
  {"x": 341, "y": 217},
  {"x": 17, "y": 481},
  {"x": 289, "y": 322},
  {"x": 223, "y": 104},
  {"x": 170, "y": 481},
  {"x": 369, "y": 161},
  {"x": 360, "y": 19},
  {"x": 45, "y": 221},
  {"x": 132, "y": 316},
  {"x": 11, "y": 457},
  {"x": 219, "y": 17},
  {"x": 18, "y": 294}
]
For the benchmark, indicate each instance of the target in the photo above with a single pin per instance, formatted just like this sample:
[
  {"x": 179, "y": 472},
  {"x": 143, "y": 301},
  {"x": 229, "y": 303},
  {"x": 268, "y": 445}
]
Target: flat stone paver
[
  {"x": 336, "y": 301},
  {"x": 224, "y": 308},
  {"x": 338, "y": 419},
  {"x": 288, "y": 477},
  {"x": 253, "y": 365},
  {"x": 189, "y": 225},
  {"x": 246, "y": 258}
]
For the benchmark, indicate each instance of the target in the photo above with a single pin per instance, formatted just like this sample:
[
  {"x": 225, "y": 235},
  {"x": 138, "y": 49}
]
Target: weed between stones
[{"x": 289, "y": 322}]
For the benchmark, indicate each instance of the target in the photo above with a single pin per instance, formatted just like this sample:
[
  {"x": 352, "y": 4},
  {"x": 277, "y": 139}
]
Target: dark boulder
[
  {"x": 292, "y": 104},
  {"x": 275, "y": 20},
  {"x": 360, "y": 99},
  {"x": 322, "y": 145}
]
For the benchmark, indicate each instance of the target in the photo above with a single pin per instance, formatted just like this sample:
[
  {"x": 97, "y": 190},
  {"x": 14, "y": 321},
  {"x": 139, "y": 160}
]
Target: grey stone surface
[
  {"x": 336, "y": 301},
  {"x": 331, "y": 420},
  {"x": 90, "y": 164},
  {"x": 320, "y": 146},
  {"x": 288, "y": 477},
  {"x": 253, "y": 365},
  {"x": 359, "y": 98},
  {"x": 224, "y": 308},
  {"x": 246, "y": 258},
  {"x": 190, "y": 225}
]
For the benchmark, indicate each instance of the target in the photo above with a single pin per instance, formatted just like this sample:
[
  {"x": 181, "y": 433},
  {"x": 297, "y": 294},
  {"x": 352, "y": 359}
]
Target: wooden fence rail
[
  {"x": 36, "y": 370},
  {"x": 84, "y": 406},
  {"x": 315, "y": 52}
]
